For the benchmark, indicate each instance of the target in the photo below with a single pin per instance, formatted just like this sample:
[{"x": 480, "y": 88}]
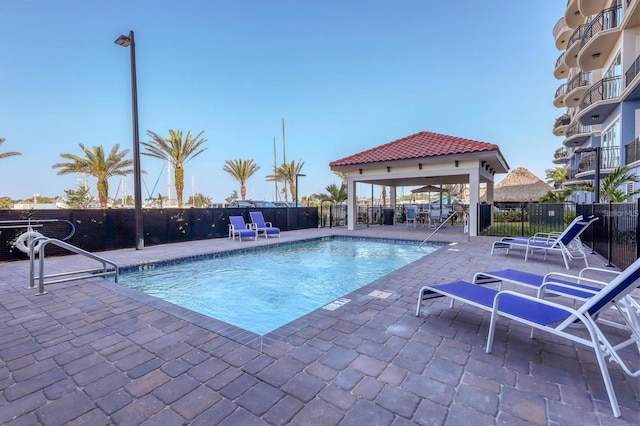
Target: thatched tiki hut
[{"x": 518, "y": 187}]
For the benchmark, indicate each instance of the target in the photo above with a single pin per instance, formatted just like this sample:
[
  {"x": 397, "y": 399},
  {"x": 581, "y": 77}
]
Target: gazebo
[
  {"x": 420, "y": 159},
  {"x": 519, "y": 186}
]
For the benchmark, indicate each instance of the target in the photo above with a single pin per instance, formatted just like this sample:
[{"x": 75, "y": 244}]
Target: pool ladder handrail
[
  {"x": 443, "y": 223},
  {"x": 69, "y": 276}
]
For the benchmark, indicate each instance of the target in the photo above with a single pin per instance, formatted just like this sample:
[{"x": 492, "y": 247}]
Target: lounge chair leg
[
  {"x": 607, "y": 381},
  {"x": 492, "y": 329},
  {"x": 419, "y": 302}
]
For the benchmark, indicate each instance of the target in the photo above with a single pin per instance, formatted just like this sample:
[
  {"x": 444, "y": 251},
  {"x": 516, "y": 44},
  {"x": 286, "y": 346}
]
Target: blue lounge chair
[
  {"x": 263, "y": 227},
  {"x": 241, "y": 229},
  {"x": 558, "y": 319},
  {"x": 588, "y": 282},
  {"x": 411, "y": 217},
  {"x": 567, "y": 243}
]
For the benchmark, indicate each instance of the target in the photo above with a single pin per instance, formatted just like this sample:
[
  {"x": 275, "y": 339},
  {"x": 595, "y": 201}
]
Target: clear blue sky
[{"x": 345, "y": 75}]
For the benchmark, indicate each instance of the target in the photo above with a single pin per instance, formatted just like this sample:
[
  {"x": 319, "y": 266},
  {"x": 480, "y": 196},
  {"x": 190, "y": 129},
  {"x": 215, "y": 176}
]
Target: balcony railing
[
  {"x": 560, "y": 153},
  {"x": 607, "y": 19},
  {"x": 606, "y": 89},
  {"x": 563, "y": 120},
  {"x": 632, "y": 151},
  {"x": 609, "y": 159},
  {"x": 580, "y": 79},
  {"x": 576, "y": 35},
  {"x": 560, "y": 59},
  {"x": 559, "y": 26},
  {"x": 631, "y": 73},
  {"x": 562, "y": 90},
  {"x": 576, "y": 129},
  {"x": 571, "y": 174}
]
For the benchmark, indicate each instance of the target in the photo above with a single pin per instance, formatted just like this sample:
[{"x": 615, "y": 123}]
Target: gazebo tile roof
[{"x": 418, "y": 145}]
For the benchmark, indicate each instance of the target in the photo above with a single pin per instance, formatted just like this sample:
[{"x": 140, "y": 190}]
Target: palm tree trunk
[
  {"x": 103, "y": 192},
  {"x": 178, "y": 175}
]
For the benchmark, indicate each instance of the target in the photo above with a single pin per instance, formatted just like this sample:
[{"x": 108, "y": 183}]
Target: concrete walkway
[{"x": 92, "y": 352}]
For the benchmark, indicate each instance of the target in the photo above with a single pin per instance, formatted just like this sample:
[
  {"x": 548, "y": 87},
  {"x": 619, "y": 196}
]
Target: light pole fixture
[
  {"x": 596, "y": 180},
  {"x": 128, "y": 41},
  {"x": 297, "y": 176}
]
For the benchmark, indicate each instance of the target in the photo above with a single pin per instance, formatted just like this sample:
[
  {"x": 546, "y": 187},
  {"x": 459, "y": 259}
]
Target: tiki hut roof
[{"x": 519, "y": 186}]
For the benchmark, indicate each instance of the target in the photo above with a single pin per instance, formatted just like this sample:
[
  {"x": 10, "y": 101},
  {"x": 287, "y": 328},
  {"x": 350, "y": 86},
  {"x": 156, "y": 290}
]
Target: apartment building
[{"x": 599, "y": 94}]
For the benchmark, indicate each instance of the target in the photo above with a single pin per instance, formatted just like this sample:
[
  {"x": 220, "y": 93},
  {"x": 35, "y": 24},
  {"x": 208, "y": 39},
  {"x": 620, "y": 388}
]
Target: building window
[{"x": 611, "y": 146}]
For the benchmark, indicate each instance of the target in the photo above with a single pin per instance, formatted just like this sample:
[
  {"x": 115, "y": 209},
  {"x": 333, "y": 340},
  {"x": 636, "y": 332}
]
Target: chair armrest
[
  {"x": 579, "y": 279},
  {"x": 496, "y": 302},
  {"x": 591, "y": 268},
  {"x": 268, "y": 224},
  {"x": 543, "y": 287}
]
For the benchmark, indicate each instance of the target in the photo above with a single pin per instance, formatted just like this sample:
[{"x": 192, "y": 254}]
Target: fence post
[
  {"x": 521, "y": 219},
  {"x": 637, "y": 229},
  {"x": 609, "y": 238},
  {"x": 593, "y": 232}
]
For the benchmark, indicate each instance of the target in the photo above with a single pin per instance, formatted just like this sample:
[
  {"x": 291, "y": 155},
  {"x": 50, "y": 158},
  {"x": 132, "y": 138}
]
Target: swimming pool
[{"x": 263, "y": 290}]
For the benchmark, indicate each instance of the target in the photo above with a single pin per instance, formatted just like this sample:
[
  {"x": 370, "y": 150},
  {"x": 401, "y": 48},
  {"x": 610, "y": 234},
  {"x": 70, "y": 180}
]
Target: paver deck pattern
[{"x": 91, "y": 352}]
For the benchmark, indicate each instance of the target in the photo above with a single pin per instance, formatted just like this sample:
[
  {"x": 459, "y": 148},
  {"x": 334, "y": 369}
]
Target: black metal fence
[
  {"x": 614, "y": 236},
  {"x": 111, "y": 229}
]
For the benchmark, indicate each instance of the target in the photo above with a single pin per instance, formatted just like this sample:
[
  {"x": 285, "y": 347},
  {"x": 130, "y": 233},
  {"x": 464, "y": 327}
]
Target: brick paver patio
[{"x": 92, "y": 352}]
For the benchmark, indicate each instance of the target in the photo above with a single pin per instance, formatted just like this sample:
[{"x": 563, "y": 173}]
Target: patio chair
[
  {"x": 263, "y": 227},
  {"x": 241, "y": 229},
  {"x": 588, "y": 282},
  {"x": 567, "y": 243},
  {"x": 411, "y": 217},
  {"x": 581, "y": 287},
  {"x": 555, "y": 318}
]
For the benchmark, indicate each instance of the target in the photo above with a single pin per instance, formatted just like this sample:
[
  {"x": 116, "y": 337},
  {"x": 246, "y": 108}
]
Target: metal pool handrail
[
  {"x": 71, "y": 275},
  {"x": 442, "y": 224}
]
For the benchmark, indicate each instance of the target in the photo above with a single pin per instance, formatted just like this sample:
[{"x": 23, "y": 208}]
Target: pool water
[{"x": 263, "y": 290}]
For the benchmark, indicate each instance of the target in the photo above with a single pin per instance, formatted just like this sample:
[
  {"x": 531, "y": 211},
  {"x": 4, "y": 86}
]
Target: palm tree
[
  {"x": 334, "y": 195},
  {"x": 241, "y": 170},
  {"x": 610, "y": 186},
  {"x": 287, "y": 172},
  {"x": 556, "y": 176},
  {"x": 556, "y": 197},
  {"x": 176, "y": 151},
  {"x": 95, "y": 164},
  {"x": 9, "y": 153}
]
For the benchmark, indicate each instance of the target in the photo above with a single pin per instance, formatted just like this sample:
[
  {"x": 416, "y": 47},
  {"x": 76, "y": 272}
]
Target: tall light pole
[
  {"x": 297, "y": 175},
  {"x": 128, "y": 41}
]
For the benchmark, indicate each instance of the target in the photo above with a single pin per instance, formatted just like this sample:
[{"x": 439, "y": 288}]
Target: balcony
[
  {"x": 576, "y": 135},
  {"x": 600, "y": 100},
  {"x": 631, "y": 14},
  {"x": 599, "y": 38},
  {"x": 571, "y": 177},
  {"x": 591, "y": 7},
  {"x": 576, "y": 88},
  {"x": 561, "y": 124},
  {"x": 573, "y": 47},
  {"x": 632, "y": 151},
  {"x": 572, "y": 15},
  {"x": 609, "y": 160},
  {"x": 561, "y": 70},
  {"x": 558, "y": 100},
  {"x": 561, "y": 156},
  {"x": 632, "y": 72},
  {"x": 561, "y": 32}
]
